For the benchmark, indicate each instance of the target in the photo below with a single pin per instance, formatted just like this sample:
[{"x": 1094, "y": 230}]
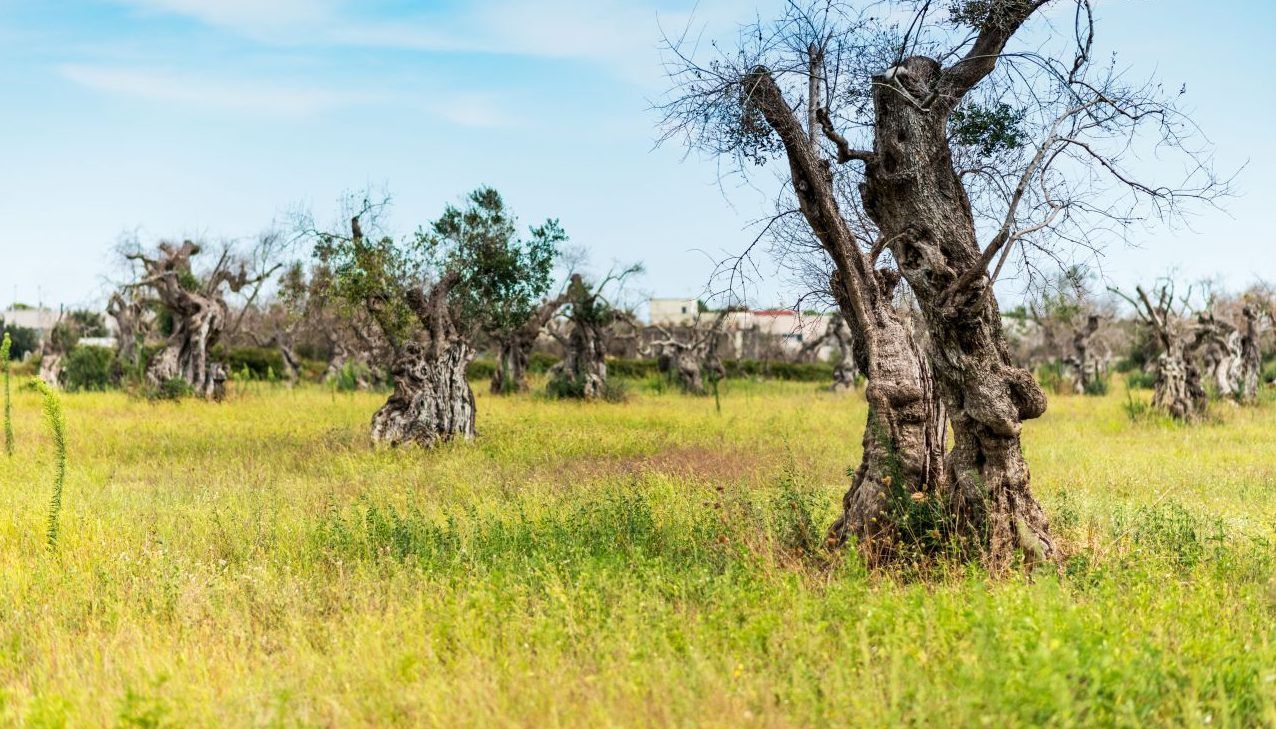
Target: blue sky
[{"x": 214, "y": 117}]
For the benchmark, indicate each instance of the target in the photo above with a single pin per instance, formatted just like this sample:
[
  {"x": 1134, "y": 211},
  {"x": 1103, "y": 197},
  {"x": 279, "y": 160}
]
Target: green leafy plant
[
  {"x": 57, "y": 429},
  {"x": 88, "y": 369}
]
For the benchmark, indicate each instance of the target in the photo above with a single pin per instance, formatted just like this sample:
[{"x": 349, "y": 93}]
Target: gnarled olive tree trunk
[
  {"x": 582, "y": 373},
  {"x": 514, "y": 349},
  {"x": 1082, "y": 360},
  {"x": 904, "y": 436},
  {"x": 914, "y": 194},
  {"x": 903, "y": 441},
  {"x": 1251, "y": 363},
  {"x": 129, "y": 327},
  {"x": 198, "y": 313},
  {"x": 432, "y": 400},
  {"x": 197, "y": 324},
  {"x": 1219, "y": 346},
  {"x": 1177, "y": 390},
  {"x": 844, "y": 368}
]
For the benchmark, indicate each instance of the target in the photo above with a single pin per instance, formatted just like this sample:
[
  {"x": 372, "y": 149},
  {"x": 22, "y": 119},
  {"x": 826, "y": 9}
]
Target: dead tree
[
  {"x": 131, "y": 324},
  {"x": 1251, "y": 363},
  {"x": 690, "y": 359},
  {"x": 514, "y": 348},
  {"x": 1082, "y": 359},
  {"x": 924, "y": 130},
  {"x": 198, "y": 311},
  {"x": 590, "y": 317},
  {"x": 845, "y": 369},
  {"x": 1178, "y": 389},
  {"x": 1218, "y": 346}
]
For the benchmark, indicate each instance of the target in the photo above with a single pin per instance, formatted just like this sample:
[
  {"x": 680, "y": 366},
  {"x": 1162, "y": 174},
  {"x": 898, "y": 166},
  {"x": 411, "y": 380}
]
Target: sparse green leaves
[{"x": 988, "y": 129}]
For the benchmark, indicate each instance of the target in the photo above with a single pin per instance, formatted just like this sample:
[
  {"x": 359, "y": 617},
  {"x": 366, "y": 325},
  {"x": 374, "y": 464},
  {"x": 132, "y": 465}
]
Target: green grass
[{"x": 257, "y": 563}]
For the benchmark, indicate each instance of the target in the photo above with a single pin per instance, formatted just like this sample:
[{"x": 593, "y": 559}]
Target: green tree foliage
[
  {"x": 498, "y": 277},
  {"x": 23, "y": 340},
  {"x": 989, "y": 129},
  {"x": 502, "y": 276}
]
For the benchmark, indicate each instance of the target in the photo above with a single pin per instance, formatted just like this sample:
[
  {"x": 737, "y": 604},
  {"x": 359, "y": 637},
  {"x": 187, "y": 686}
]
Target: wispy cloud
[
  {"x": 206, "y": 92},
  {"x": 618, "y": 35},
  {"x": 466, "y": 109}
]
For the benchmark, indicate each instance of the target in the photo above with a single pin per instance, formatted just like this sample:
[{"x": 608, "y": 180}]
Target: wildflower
[{"x": 918, "y": 496}]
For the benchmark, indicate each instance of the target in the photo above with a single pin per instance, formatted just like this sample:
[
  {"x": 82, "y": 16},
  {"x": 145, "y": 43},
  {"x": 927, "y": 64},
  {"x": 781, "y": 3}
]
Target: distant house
[
  {"x": 673, "y": 312},
  {"x": 755, "y": 333},
  {"x": 41, "y": 319}
]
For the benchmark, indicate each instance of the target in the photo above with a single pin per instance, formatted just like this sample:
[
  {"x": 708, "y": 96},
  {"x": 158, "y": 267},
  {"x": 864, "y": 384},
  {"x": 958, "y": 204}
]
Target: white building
[
  {"x": 748, "y": 330},
  {"x": 40, "y": 319},
  {"x": 673, "y": 312}
]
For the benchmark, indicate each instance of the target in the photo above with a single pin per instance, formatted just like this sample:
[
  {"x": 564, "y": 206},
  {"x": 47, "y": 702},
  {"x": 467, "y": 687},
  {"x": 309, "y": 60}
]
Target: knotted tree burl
[{"x": 429, "y": 296}]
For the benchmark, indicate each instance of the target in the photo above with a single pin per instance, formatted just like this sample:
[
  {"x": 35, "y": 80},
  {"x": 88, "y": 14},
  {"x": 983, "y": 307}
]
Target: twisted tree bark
[
  {"x": 1219, "y": 346},
  {"x": 582, "y": 373},
  {"x": 128, "y": 314},
  {"x": 1251, "y": 358},
  {"x": 514, "y": 349},
  {"x": 1082, "y": 360},
  {"x": 904, "y": 436},
  {"x": 198, "y": 314}
]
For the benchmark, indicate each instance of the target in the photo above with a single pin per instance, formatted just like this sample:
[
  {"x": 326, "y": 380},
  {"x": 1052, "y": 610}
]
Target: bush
[
  {"x": 540, "y": 362},
  {"x": 261, "y": 363},
  {"x": 480, "y": 369},
  {"x": 172, "y": 389},
  {"x": 22, "y": 340},
  {"x": 1140, "y": 380},
  {"x": 1098, "y": 386},
  {"x": 779, "y": 370},
  {"x": 88, "y": 369}
]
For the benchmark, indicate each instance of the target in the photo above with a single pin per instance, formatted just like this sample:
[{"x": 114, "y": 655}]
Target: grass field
[{"x": 256, "y": 563}]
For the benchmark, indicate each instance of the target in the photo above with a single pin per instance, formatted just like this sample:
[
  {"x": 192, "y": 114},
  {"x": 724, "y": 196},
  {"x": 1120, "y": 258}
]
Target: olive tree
[
  {"x": 924, "y": 153},
  {"x": 192, "y": 304},
  {"x": 589, "y": 319},
  {"x": 429, "y": 296}
]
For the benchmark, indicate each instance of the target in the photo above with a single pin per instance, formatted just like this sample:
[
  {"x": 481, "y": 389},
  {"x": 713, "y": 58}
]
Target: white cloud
[
  {"x": 619, "y": 35},
  {"x": 465, "y": 109},
  {"x": 206, "y": 92}
]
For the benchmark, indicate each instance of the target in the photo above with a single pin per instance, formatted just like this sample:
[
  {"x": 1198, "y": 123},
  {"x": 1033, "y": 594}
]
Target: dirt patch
[{"x": 697, "y": 463}]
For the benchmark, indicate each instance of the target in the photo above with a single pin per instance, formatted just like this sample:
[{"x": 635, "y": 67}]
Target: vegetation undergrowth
[{"x": 257, "y": 562}]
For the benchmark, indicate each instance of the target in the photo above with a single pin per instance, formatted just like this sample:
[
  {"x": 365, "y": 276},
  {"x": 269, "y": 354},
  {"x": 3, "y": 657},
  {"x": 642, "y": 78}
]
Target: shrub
[
  {"x": 1140, "y": 380},
  {"x": 1269, "y": 371},
  {"x": 171, "y": 389},
  {"x": 259, "y": 362},
  {"x": 88, "y": 369},
  {"x": 480, "y": 369},
  {"x": 22, "y": 341},
  {"x": 540, "y": 362},
  {"x": 1098, "y": 386}
]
